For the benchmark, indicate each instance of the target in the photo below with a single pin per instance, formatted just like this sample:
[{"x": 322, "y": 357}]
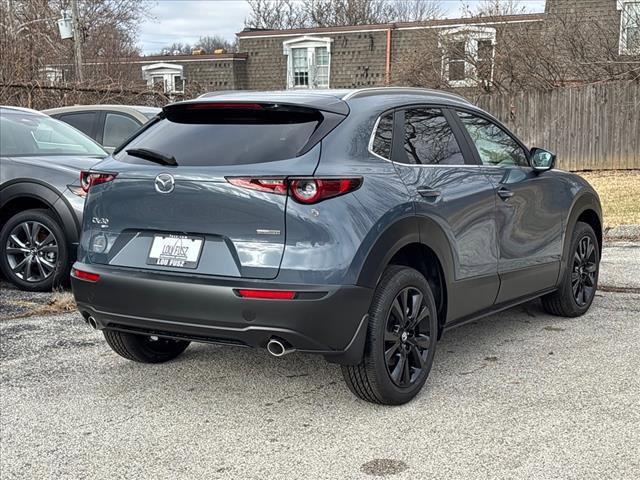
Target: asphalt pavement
[{"x": 521, "y": 394}]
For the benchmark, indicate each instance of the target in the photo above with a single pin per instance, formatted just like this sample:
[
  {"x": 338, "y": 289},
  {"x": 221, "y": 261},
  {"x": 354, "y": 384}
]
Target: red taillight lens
[
  {"x": 89, "y": 179},
  {"x": 267, "y": 294},
  {"x": 303, "y": 190},
  {"x": 313, "y": 190},
  {"x": 83, "y": 275},
  {"x": 273, "y": 185}
]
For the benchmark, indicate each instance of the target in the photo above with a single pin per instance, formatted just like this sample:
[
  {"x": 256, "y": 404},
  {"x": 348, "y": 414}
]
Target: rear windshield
[{"x": 203, "y": 136}]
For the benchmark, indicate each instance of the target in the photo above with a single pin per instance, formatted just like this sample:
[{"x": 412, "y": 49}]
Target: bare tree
[
  {"x": 564, "y": 49},
  {"x": 30, "y": 41},
  {"x": 211, "y": 43},
  {"x": 275, "y": 14},
  {"x": 494, "y": 8}
]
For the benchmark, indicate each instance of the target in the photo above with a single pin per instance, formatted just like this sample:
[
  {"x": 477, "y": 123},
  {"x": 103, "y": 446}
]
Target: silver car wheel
[{"x": 32, "y": 251}]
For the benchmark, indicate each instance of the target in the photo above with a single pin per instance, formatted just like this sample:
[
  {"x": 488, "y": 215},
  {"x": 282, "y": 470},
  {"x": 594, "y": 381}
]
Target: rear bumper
[{"x": 326, "y": 319}]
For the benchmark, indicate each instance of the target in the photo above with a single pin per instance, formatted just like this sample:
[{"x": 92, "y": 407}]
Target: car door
[
  {"x": 528, "y": 220},
  {"x": 116, "y": 128},
  {"x": 447, "y": 187}
]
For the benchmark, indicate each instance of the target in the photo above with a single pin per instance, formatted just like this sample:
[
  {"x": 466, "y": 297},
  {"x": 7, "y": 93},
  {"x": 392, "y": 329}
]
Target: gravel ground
[{"x": 518, "y": 395}]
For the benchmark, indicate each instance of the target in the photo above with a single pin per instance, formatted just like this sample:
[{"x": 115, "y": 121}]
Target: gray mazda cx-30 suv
[{"x": 358, "y": 225}]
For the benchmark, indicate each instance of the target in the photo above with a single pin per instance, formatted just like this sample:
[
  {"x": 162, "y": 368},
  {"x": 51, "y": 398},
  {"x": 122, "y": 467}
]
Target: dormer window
[
  {"x": 629, "y": 27},
  {"x": 467, "y": 55},
  {"x": 308, "y": 62}
]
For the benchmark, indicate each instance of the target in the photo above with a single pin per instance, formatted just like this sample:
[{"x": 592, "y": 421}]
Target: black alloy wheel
[
  {"x": 407, "y": 337},
  {"x": 583, "y": 274}
]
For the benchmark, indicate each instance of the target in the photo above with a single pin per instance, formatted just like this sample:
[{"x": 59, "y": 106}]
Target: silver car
[
  {"x": 41, "y": 197},
  {"x": 109, "y": 125}
]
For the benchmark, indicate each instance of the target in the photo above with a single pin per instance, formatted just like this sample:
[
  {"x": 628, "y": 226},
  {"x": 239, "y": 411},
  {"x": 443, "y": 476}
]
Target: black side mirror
[{"x": 542, "y": 160}]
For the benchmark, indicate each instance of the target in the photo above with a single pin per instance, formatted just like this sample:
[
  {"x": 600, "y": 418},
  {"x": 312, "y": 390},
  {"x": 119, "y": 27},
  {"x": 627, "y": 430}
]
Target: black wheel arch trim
[
  {"x": 38, "y": 190},
  {"x": 406, "y": 231},
  {"x": 583, "y": 202}
]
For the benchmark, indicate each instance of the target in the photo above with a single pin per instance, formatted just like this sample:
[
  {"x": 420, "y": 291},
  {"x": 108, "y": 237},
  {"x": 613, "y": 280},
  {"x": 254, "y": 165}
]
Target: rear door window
[
  {"x": 83, "y": 121},
  {"x": 117, "y": 128},
  {"x": 428, "y": 139},
  {"x": 214, "y": 136}
]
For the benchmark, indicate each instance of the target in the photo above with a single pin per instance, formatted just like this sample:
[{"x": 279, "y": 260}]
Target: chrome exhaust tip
[
  {"x": 92, "y": 323},
  {"x": 278, "y": 348}
]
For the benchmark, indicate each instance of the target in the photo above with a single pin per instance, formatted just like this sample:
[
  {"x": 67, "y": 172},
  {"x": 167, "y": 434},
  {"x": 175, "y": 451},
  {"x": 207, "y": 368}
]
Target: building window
[
  {"x": 168, "y": 77},
  {"x": 629, "y": 27},
  {"x": 300, "y": 67},
  {"x": 468, "y": 55},
  {"x": 322, "y": 67},
  {"x": 457, "y": 60},
  {"x": 308, "y": 62}
]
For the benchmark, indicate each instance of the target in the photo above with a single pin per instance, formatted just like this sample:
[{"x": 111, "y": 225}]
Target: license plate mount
[{"x": 177, "y": 251}]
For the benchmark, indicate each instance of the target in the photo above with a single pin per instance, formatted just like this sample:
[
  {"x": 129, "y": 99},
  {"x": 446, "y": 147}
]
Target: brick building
[{"x": 462, "y": 51}]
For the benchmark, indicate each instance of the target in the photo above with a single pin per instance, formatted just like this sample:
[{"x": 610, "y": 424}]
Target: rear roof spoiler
[{"x": 324, "y": 103}]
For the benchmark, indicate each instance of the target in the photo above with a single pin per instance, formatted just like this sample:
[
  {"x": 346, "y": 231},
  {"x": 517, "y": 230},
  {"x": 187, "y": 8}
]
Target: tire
[
  {"x": 385, "y": 382},
  {"x": 566, "y": 301},
  {"x": 43, "y": 245},
  {"x": 143, "y": 348}
]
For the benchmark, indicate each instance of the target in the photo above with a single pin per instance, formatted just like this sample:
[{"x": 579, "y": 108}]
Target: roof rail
[{"x": 368, "y": 92}]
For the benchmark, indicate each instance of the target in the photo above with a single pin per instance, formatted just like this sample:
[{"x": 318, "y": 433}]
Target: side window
[
  {"x": 494, "y": 145},
  {"x": 117, "y": 128},
  {"x": 82, "y": 121},
  {"x": 382, "y": 139},
  {"x": 428, "y": 138}
]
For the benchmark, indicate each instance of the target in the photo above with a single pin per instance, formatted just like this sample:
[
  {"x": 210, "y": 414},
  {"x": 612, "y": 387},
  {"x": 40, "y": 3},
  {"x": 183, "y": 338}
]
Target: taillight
[
  {"x": 273, "y": 185},
  {"x": 267, "y": 294},
  {"x": 313, "y": 190},
  {"x": 302, "y": 190},
  {"x": 84, "y": 275},
  {"x": 90, "y": 179}
]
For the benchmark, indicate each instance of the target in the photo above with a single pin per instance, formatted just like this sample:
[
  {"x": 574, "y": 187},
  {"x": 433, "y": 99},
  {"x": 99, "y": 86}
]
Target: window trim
[
  {"x": 500, "y": 125},
  {"x": 469, "y": 154},
  {"x": 623, "y": 48}
]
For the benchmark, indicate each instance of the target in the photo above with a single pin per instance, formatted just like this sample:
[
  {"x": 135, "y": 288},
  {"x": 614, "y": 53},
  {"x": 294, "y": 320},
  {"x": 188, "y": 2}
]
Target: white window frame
[
  {"x": 310, "y": 44},
  {"x": 624, "y": 19},
  {"x": 168, "y": 72},
  {"x": 470, "y": 36}
]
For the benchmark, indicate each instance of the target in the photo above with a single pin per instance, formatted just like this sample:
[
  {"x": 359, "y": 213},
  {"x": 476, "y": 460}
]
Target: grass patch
[
  {"x": 619, "y": 192},
  {"x": 58, "y": 302}
]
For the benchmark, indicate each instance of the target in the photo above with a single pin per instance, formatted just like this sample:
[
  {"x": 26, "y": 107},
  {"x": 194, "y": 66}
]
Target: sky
[{"x": 187, "y": 20}]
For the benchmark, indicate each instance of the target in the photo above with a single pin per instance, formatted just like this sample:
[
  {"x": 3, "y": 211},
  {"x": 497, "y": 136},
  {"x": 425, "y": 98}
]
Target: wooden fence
[{"x": 590, "y": 127}]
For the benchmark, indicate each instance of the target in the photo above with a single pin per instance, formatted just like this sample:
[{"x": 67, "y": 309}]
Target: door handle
[
  {"x": 428, "y": 192},
  {"x": 504, "y": 193}
]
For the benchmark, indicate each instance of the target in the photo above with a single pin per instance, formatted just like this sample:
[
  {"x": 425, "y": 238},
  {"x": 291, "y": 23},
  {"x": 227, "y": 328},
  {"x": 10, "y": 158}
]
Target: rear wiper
[{"x": 153, "y": 156}]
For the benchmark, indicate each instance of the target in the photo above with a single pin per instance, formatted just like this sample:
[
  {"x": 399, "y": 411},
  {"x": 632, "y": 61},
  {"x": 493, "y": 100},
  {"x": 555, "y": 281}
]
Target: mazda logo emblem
[{"x": 165, "y": 183}]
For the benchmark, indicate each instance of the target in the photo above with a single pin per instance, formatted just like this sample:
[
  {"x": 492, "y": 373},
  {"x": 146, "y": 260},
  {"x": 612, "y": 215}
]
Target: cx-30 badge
[{"x": 165, "y": 183}]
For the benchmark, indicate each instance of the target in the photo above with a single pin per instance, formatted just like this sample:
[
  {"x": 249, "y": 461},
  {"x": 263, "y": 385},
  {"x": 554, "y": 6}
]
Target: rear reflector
[
  {"x": 83, "y": 275},
  {"x": 267, "y": 294}
]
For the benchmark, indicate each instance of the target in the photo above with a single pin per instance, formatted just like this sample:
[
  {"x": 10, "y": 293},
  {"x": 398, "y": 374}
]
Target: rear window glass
[
  {"x": 381, "y": 144},
  {"x": 202, "y": 136}
]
